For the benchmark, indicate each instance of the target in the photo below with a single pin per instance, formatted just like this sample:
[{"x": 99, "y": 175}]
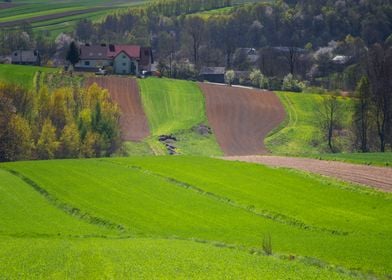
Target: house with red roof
[{"x": 124, "y": 59}]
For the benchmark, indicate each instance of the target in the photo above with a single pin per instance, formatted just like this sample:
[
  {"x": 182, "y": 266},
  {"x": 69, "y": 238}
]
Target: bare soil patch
[
  {"x": 241, "y": 117},
  {"x": 378, "y": 177},
  {"x": 125, "y": 92}
]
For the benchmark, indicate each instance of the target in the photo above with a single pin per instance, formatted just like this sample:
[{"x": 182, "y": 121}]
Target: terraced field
[
  {"x": 186, "y": 217},
  {"x": 58, "y": 16}
]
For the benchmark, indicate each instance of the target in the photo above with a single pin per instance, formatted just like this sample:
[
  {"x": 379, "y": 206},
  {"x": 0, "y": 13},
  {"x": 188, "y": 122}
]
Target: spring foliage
[{"x": 66, "y": 122}]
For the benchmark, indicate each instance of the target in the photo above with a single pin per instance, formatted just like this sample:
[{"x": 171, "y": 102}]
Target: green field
[
  {"x": 300, "y": 133},
  {"x": 38, "y": 11},
  {"x": 177, "y": 107},
  {"x": 378, "y": 159},
  {"x": 186, "y": 217},
  {"x": 21, "y": 74}
]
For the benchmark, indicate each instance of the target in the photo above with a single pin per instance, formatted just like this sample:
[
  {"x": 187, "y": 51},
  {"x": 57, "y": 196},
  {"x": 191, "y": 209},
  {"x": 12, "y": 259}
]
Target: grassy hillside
[
  {"x": 22, "y": 75},
  {"x": 172, "y": 105},
  {"x": 177, "y": 107},
  {"x": 142, "y": 258},
  {"x": 300, "y": 134},
  {"x": 220, "y": 204}
]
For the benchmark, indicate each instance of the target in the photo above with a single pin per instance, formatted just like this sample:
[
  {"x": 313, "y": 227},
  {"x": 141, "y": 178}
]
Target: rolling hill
[{"x": 107, "y": 210}]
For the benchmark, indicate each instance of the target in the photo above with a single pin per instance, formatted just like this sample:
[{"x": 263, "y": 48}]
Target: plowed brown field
[
  {"x": 241, "y": 118},
  {"x": 378, "y": 177},
  {"x": 125, "y": 91}
]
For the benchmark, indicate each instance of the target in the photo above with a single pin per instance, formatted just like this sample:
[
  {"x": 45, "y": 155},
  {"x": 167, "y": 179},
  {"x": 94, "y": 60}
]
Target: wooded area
[{"x": 66, "y": 122}]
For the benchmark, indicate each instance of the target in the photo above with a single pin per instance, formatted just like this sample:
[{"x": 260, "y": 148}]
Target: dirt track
[
  {"x": 241, "y": 117},
  {"x": 124, "y": 91},
  {"x": 378, "y": 177}
]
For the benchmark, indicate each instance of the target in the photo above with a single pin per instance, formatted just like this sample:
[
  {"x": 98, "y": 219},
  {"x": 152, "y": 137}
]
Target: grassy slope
[
  {"x": 142, "y": 259},
  {"x": 24, "y": 212},
  {"x": 175, "y": 107},
  {"x": 22, "y": 75},
  {"x": 300, "y": 134},
  {"x": 229, "y": 202},
  {"x": 171, "y": 105}
]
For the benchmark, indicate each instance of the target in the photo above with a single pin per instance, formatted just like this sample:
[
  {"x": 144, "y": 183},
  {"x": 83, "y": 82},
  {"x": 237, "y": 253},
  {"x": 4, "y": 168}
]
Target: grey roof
[
  {"x": 212, "y": 70},
  {"x": 94, "y": 52},
  {"x": 25, "y": 56}
]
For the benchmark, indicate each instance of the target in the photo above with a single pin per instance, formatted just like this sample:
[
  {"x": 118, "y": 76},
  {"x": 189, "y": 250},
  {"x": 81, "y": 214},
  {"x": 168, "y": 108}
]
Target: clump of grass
[{"x": 267, "y": 244}]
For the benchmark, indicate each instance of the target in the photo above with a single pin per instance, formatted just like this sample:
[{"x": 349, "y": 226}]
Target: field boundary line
[
  {"x": 264, "y": 213},
  {"x": 67, "y": 208}
]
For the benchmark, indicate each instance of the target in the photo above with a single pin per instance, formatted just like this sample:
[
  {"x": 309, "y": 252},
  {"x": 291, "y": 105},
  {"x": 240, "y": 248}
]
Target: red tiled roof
[{"x": 131, "y": 50}]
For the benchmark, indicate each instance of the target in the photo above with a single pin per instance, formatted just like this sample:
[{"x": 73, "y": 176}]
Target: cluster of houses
[
  {"x": 122, "y": 59},
  {"x": 135, "y": 60}
]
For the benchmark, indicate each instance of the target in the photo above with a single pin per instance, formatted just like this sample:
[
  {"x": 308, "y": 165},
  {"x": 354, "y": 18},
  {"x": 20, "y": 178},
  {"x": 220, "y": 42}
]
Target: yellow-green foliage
[{"x": 60, "y": 123}]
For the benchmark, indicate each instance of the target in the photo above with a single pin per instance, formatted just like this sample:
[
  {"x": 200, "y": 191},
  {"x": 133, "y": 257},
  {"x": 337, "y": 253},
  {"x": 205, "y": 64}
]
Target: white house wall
[
  {"x": 89, "y": 63},
  {"x": 122, "y": 64}
]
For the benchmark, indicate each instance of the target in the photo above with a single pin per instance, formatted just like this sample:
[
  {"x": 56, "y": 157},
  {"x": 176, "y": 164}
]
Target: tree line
[{"x": 66, "y": 122}]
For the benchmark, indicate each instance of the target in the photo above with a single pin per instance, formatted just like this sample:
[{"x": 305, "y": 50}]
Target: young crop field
[
  {"x": 188, "y": 217},
  {"x": 21, "y": 75},
  {"x": 59, "y": 16},
  {"x": 300, "y": 134},
  {"x": 177, "y": 107},
  {"x": 378, "y": 159}
]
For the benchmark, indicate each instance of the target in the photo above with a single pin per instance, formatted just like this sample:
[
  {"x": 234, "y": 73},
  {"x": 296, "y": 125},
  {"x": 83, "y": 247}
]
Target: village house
[
  {"x": 26, "y": 57},
  {"x": 124, "y": 59}
]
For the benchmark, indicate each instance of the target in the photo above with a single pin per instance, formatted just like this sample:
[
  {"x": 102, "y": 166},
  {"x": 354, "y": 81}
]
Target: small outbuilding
[
  {"x": 26, "y": 57},
  {"x": 213, "y": 74}
]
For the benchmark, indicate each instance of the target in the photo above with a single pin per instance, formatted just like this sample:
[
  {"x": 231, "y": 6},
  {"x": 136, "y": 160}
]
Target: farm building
[
  {"x": 125, "y": 59},
  {"x": 26, "y": 57},
  {"x": 213, "y": 74}
]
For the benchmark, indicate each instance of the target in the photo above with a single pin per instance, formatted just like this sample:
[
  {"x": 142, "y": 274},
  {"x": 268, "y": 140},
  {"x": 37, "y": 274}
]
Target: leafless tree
[
  {"x": 362, "y": 115},
  {"x": 379, "y": 68},
  {"x": 329, "y": 118},
  {"x": 195, "y": 29}
]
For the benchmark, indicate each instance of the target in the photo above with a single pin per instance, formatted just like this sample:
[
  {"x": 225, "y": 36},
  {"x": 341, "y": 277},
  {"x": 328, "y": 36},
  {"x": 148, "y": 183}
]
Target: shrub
[
  {"x": 267, "y": 244},
  {"x": 229, "y": 77},
  {"x": 291, "y": 84}
]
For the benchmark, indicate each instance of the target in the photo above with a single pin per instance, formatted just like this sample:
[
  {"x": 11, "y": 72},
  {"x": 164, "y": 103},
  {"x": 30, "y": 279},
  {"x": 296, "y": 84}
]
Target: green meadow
[
  {"x": 168, "y": 216},
  {"x": 300, "y": 133},
  {"x": 177, "y": 107},
  {"x": 22, "y": 75}
]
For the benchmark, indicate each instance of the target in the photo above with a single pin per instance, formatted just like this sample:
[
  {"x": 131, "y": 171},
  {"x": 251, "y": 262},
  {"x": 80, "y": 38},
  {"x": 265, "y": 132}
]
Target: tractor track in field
[
  {"x": 376, "y": 177},
  {"x": 242, "y": 117},
  {"x": 125, "y": 92}
]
